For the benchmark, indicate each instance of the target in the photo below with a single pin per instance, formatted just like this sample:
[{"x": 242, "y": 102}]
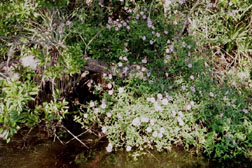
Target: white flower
[
  {"x": 103, "y": 105},
  {"x": 183, "y": 44},
  {"x": 165, "y": 32},
  {"x": 136, "y": 122},
  {"x": 148, "y": 129},
  {"x": 189, "y": 65},
  {"x": 160, "y": 135},
  {"x": 96, "y": 110},
  {"x": 160, "y": 96},
  {"x": 29, "y": 61},
  {"x": 108, "y": 114},
  {"x": 167, "y": 50},
  {"x": 143, "y": 69},
  {"x": 128, "y": 148},
  {"x": 85, "y": 115},
  {"x": 120, "y": 90},
  {"x": 110, "y": 76},
  {"x": 104, "y": 130},
  {"x": 109, "y": 86},
  {"x": 89, "y": 84},
  {"x": 120, "y": 64},
  {"x": 109, "y": 147},
  {"x": 173, "y": 113},
  {"x": 192, "y": 77},
  {"x": 245, "y": 111},
  {"x": 211, "y": 94},
  {"x": 125, "y": 58},
  {"x": 165, "y": 101},
  {"x": 92, "y": 104},
  {"x": 144, "y": 61},
  {"x": 152, "y": 122},
  {"x": 155, "y": 134},
  {"x": 119, "y": 116},
  {"x": 162, "y": 130},
  {"x": 158, "y": 107},
  {"x": 181, "y": 122},
  {"x": 144, "y": 37},
  {"x": 180, "y": 114},
  {"x": 189, "y": 107},
  {"x": 110, "y": 92},
  {"x": 192, "y": 103},
  {"x": 144, "y": 119}
]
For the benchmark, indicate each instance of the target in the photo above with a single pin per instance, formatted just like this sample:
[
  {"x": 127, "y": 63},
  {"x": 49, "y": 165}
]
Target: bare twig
[
  {"x": 150, "y": 8},
  {"x": 75, "y": 137},
  {"x": 188, "y": 15},
  {"x": 90, "y": 41}
]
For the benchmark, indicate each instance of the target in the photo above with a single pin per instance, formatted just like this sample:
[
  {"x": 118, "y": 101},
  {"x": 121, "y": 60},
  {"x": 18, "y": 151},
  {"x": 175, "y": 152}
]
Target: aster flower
[
  {"x": 152, "y": 122},
  {"x": 181, "y": 122},
  {"x": 189, "y": 107},
  {"x": 128, "y": 148},
  {"x": 110, "y": 92},
  {"x": 109, "y": 85},
  {"x": 108, "y": 114},
  {"x": 211, "y": 94},
  {"x": 85, "y": 115},
  {"x": 160, "y": 135},
  {"x": 148, "y": 129},
  {"x": 120, "y": 90},
  {"x": 144, "y": 61},
  {"x": 151, "y": 42},
  {"x": 144, "y": 119},
  {"x": 68, "y": 23},
  {"x": 144, "y": 37},
  {"x": 155, "y": 134},
  {"x": 162, "y": 130},
  {"x": 109, "y": 147},
  {"x": 103, "y": 105},
  {"x": 92, "y": 104},
  {"x": 183, "y": 44},
  {"x": 245, "y": 111},
  {"x": 104, "y": 130},
  {"x": 160, "y": 96},
  {"x": 125, "y": 58},
  {"x": 136, "y": 122},
  {"x": 192, "y": 77}
]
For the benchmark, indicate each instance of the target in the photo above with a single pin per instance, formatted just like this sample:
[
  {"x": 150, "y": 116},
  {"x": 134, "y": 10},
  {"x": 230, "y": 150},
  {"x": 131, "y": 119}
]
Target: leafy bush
[{"x": 164, "y": 89}]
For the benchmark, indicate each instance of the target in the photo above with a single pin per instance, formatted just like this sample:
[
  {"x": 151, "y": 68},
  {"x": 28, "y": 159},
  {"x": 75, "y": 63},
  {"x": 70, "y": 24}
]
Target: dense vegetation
[{"x": 177, "y": 72}]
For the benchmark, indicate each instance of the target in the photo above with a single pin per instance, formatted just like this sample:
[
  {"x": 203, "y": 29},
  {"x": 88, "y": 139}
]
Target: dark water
[{"x": 48, "y": 154}]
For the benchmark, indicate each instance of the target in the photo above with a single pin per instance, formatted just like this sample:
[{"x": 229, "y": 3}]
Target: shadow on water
[{"x": 44, "y": 153}]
